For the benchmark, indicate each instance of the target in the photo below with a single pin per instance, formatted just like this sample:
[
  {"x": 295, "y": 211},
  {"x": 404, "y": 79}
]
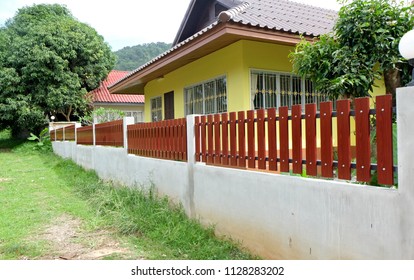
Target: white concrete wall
[{"x": 278, "y": 216}]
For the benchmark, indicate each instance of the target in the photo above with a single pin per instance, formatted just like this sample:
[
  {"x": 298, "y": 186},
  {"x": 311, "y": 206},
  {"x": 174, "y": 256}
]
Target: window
[
  {"x": 156, "y": 109},
  {"x": 209, "y": 97},
  {"x": 138, "y": 116},
  {"x": 274, "y": 89}
]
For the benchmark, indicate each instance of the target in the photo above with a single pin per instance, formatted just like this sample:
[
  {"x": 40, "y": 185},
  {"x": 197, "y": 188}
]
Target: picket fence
[{"x": 283, "y": 140}]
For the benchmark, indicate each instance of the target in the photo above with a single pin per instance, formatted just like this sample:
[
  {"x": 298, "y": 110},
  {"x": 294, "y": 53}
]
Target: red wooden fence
[
  {"x": 163, "y": 140},
  {"x": 84, "y": 135},
  {"x": 66, "y": 133},
  {"x": 274, "y": 142},
  {"x": 110, "y": 134}
]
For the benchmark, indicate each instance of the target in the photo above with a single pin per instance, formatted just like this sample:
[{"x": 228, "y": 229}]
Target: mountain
[{"x": 130, "y": 58}]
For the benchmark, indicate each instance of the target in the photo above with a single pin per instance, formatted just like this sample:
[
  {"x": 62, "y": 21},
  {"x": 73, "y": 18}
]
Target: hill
[{"x": 130, "y": 58}]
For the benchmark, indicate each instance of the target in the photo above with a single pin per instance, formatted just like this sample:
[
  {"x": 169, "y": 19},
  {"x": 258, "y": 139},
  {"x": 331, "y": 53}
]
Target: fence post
[
  {"x": 405, "y": 132},
  {"x": 77, "y": 125},
  {"x": 191, "y": 160},
  {"x": 93, "y": 134},
  {"x": 127, "y": 121}
]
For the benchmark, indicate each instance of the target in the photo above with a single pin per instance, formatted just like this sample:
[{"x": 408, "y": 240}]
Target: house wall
[{"x": 235, "y": 61}]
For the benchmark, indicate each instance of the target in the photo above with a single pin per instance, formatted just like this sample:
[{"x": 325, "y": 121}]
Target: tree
[
  {"x": 48, "y": 63},
  {"x": 362, "y": 48},
  {"x": 130, "y": 58}
]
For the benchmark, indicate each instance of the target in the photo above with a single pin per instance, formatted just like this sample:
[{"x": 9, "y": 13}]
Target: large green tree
[
  {"x": 48, "y": 62},
  {"x": 362, "y": 48}
]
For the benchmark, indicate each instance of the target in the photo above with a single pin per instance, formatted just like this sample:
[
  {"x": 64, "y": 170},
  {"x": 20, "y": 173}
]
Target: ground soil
[{"x": 69, "y": 241}]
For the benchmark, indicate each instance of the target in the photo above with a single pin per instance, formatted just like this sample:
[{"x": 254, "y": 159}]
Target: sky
[{"x": 129, "y": 22}]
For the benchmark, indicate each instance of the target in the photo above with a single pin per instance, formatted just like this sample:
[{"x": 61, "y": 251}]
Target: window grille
[
  {"x": 209, "y": 97},
  {"x": 276, "y": 89}
]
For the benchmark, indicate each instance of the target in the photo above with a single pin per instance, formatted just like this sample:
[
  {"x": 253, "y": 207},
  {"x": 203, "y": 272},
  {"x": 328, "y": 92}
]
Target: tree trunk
[{"x": 392, "y": 80}]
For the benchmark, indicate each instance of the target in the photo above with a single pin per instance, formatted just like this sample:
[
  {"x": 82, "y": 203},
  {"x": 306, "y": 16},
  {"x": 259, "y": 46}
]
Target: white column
[
  {"x": 405, "y": 135},
  {"x": 127, "y": 121},
  {"x": 191, "y": 160}
]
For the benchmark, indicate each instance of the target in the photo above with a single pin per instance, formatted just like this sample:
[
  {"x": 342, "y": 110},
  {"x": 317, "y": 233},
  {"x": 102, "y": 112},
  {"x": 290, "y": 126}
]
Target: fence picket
[
  {"x": 225, "y": 137},
  {"x": 297, "y": 138},
  {"x": 284, "y": 138},
  {"x": 311, "y": 147},
  {"x": 210, "y": 133},
  {"x": 197, "y": 137},
  {"x": 272, "y": 142},
  {"x": 344, "y": 140},
  {"x": 363, "y": 145},
  {"x": 326, "y": 139},
  {"x": 203, "y": 139},
  {"x": 384, "y": 140},
  {"x": 261, "y": 140},
  {"x": 217, "y": 140},
  {"x": 242, "y": 139},
  {"x": 251, "y": 147},
  {"x": 233, "y": 139}
]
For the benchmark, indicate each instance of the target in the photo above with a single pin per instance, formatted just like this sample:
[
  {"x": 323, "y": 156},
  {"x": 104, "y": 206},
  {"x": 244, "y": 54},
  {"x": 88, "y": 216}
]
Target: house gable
[
  {"x": 273, "y": 21},
  {"x": 200, "y": 14}
]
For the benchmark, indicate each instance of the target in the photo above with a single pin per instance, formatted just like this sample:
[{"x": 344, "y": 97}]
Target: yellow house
[{"x": 229, "y": 56}]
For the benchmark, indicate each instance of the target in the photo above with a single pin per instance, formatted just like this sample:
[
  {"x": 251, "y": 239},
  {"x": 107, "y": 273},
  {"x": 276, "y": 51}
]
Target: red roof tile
[{"x": 102, "y": 95}]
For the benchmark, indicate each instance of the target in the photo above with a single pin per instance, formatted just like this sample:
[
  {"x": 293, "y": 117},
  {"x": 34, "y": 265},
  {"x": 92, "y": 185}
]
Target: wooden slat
[
  {"x": 170, "y": 150},
  {"x": 384, "y": 140},
  {"x": 326, "y": 139},
  {"x": 311, "y": 147},
  {"x": 210, "y": 138},
  {"x": 185, "y": 145},
  {"x": 242, "y": 139},
  {"x": 261, "y": 140},
  {"x": 225, "y": 138},
  {"x": 297, "y": 138},
  {"x": 176, "y": 136},
  {"x": 271, "y": 128},
  {"x": 344, "y": 140},
  {"x": 233, "y": 139},
  {"x": 179, "y": 140},
  {"x": 203, "y": 139},
  {"x": 197, "y": 131},
  {"x": 251, "y": 147},
  {"x": 363, "y": 146},
  {"x": 284, "y": 138},
  {"x": 217, "y": 140}
]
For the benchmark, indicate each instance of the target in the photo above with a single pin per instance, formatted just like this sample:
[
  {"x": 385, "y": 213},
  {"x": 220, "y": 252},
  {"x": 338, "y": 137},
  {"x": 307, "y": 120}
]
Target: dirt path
[{"x": 68, "y": 241}]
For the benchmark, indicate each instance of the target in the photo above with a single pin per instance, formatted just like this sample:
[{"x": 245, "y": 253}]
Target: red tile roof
[{"x": 102, "y": 95}]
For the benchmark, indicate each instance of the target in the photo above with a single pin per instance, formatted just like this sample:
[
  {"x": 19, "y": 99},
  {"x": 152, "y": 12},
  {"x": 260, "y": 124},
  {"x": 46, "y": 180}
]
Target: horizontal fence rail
[
  {"x": 110, "y": 134},
  {"x": 163, "y": 140},
  {"x": 84, "y": 135},
  {"x": 299, "y": 142}
]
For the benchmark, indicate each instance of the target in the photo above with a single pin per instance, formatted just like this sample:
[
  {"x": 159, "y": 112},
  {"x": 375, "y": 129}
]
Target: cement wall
[{"x": 278, "y": 216}]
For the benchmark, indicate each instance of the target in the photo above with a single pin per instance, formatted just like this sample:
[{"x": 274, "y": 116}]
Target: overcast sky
[{"x": 128, "y": 22}]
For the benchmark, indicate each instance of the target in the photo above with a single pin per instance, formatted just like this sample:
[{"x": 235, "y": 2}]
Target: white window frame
[
  {"x": 157, "y": 110},
  {"x": 137, "y": 115},
  {"x": 205, "y": 109}
]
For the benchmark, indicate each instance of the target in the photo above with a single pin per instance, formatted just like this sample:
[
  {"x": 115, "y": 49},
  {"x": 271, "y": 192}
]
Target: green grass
[{"x": 37, "y": 187}]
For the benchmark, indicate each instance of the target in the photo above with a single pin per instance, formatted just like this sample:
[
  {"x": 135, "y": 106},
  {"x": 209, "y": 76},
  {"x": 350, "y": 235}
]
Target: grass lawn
[{"x": 50, "y": 208}]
